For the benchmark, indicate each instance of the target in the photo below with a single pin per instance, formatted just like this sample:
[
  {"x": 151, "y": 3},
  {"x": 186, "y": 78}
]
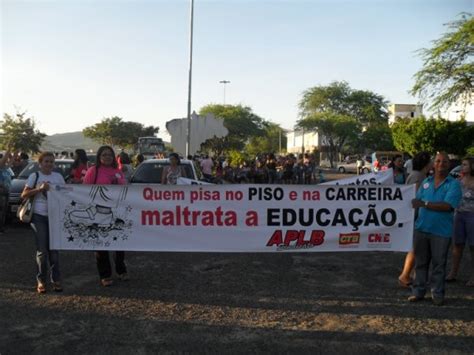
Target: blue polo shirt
[{"x": 435, "y": 222}]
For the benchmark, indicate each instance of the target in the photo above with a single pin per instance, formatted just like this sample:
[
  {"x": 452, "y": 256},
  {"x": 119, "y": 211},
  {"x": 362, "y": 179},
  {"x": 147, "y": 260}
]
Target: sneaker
[
  {"x": 414, "y": 298},
  {"x": 107, "y": 282},
  {"x": 57, "y": 287},
  {"x": 100, "y": 216},
  {"x": 438, "y": 301}
]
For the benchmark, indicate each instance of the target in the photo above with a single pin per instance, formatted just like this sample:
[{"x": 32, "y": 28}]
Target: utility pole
[{"x": 225, "y": 82}]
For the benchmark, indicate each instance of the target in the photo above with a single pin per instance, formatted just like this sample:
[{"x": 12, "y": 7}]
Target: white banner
[
  {"x": 384, "y": 177},
  {"x": 231, "y": 218},
  {"x": 186, "y": 181}
]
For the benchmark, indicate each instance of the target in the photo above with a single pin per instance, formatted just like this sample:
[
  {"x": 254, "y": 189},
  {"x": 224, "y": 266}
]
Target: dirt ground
[{"x": 227, "y": 303}]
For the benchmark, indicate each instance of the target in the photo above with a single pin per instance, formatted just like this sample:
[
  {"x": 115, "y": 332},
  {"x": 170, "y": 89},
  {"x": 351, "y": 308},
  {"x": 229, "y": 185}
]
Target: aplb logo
[
  {"x": 379, "y": 240},
  {"x": 295, "y": 239},
  {"x": 349, "y": 239}
]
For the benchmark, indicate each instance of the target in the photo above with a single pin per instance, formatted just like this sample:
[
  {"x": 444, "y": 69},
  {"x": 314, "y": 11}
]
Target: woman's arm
[
  {"x": 163, "y": 175},
  {"x": 29, "y": 192},
  {"x": 90, "y": 176}
]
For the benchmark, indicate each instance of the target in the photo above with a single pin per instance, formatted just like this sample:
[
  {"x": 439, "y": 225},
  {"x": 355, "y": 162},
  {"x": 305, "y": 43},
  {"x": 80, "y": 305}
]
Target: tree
[
  {"x": 431, "y": 135},
  {"x": 268, "y": 142},
  {"x": 334, "y": 130},
  {"x": 236, "y": 158},
  {"x": 365, "y": 106},
  {"x": 113, "y": 131},
  {"x": 375, "y": 137},
  {"x": 448, "y": 71},
  {"x": 241, "y": 122},
  {"x": 338, "y": 113},
  {"x": 20, "y": 133}
]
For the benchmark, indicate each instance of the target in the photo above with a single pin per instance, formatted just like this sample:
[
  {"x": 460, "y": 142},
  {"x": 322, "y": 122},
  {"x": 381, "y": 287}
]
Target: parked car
[
  {"x": 149, "y": 172},
  {"x": 92, "y": 158},
  {"x": 351, "y": 167},
  {"x": 382, "y": 159},
  {"x": 62, "y": 166},
  {"x": 456, "y": 172}
]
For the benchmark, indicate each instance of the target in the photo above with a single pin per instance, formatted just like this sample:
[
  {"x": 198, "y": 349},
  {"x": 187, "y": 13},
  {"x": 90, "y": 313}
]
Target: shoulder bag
[{"x": 25, "y": 211}]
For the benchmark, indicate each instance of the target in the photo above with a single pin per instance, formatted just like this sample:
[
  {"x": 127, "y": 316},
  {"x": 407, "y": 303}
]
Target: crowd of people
[
  {"x": 444, "y": 206},
  {"x": 266, "y": 169}
]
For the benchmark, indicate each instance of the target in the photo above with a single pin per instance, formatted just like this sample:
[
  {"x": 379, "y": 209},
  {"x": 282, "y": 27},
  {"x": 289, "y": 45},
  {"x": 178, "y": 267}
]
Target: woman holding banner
[
  {"x": 37, "y": 185},
  {"x": 106, "y": 172},
  {"x": 421, "y": 165}
]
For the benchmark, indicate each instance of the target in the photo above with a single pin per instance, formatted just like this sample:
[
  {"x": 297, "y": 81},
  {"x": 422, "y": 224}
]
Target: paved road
[{"x": 227, "y": 303}]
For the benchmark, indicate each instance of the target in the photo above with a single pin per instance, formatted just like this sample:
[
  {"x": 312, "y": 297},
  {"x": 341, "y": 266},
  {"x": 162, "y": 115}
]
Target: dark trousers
[
  {"x": 430, "y": 249},
  {"x": 103, "y": 263}
]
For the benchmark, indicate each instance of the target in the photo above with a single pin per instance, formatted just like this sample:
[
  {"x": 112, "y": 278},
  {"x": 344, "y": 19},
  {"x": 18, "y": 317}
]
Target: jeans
[
  {"x": 434, "y": 249},
  {"x": 40, "y": 226},
  {"x": 103, "y": 263},
  {"x": 464, "y": 228}
]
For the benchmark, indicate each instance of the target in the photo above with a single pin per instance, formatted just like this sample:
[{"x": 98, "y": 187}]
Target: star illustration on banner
[
  {"x": 70, "y": 239},
  {"x": 73, "y": 203}
]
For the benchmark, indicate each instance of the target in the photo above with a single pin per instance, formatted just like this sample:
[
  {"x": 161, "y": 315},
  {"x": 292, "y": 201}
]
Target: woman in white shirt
[{"x": 37, "y": 185}]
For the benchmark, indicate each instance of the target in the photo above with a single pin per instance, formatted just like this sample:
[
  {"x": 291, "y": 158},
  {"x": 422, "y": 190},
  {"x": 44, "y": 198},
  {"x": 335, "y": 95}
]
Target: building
[
  {"x": 404, "y": 110},
  {"x": 298, "y": 141}
]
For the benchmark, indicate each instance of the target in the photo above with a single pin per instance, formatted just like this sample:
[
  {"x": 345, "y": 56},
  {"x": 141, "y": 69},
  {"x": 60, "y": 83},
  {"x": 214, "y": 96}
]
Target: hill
[{"x": 69, "y": 142}]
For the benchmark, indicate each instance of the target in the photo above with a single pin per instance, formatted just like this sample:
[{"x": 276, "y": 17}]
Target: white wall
[{"x": 202, "y": 128}]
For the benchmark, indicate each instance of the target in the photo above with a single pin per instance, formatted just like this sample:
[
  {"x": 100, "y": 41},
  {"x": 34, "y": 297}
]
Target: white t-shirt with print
[{"x": 40, "y": 204}]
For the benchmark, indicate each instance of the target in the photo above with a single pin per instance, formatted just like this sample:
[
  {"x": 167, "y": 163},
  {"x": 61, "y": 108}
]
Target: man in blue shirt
[{"x": 436, "y": 199}]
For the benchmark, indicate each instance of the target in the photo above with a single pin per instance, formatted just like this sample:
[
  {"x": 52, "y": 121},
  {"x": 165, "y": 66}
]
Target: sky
[{"x": 71, "y": 63}]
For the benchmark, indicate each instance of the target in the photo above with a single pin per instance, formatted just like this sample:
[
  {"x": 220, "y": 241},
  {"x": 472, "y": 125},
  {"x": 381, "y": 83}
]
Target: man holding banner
[{"x": 436, "y": 199}]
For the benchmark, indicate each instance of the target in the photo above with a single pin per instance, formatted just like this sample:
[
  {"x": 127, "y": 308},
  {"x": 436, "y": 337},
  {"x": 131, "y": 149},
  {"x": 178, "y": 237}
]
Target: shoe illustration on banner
[
  {"x": 102, "y": 221},
  {"x": 96, "y": 216}
]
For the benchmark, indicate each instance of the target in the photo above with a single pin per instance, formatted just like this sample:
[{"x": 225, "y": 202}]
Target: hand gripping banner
[{"x": 231, "y": 218}]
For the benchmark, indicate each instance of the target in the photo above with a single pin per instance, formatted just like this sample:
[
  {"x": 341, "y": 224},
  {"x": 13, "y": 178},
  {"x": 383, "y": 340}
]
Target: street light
[{"x": 224, "y": 82}]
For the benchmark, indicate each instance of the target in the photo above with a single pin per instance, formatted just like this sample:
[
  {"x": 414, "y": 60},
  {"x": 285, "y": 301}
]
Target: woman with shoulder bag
[
  {"x": 106, "y": 172},
  {"x": 37, "y": 186}
]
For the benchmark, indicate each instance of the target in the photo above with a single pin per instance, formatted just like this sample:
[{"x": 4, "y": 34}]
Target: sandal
[
  {"x": 41, "y": 288},
  {"x": 57, "y": 287},
  {"x": 106, "y": 282}
]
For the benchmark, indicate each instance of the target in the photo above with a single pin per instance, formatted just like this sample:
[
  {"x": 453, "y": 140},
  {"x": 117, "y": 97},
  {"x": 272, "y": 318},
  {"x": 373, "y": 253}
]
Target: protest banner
[
  {"x": 384, "y": 177},
  {"x": 187, "y": 181},
  {"x": 231, "y": 218}
]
